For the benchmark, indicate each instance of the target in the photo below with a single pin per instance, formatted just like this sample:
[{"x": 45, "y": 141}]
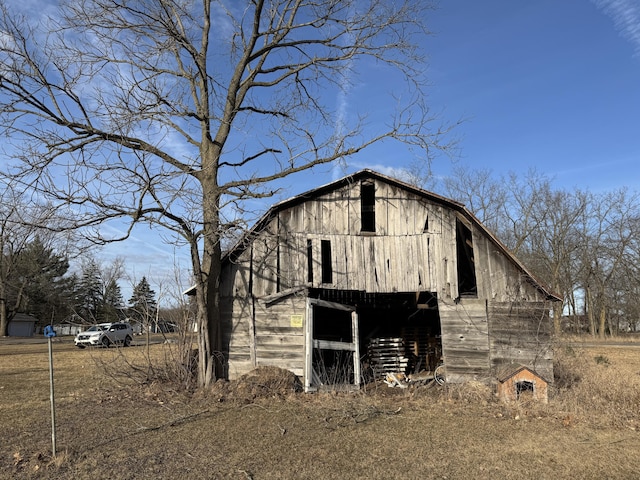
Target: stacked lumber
[{"x": 387, "y": 355}]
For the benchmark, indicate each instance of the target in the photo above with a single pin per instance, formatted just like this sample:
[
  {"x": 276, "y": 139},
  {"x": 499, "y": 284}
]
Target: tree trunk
[
  {"x": 589, "y": 310},
  {"x": 4, "y": 324},
  {"x": 210, "y": 349},
  {"x": 557, "y": 321},
  {"x": 602, "y": 321}
]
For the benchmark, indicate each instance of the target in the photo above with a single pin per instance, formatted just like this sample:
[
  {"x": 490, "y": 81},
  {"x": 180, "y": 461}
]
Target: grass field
[{"x": 115, "y": 421}]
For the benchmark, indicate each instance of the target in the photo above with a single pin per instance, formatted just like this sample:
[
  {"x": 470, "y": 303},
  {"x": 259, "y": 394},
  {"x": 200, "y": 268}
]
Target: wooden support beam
[
  {"x": 335, "y": 306},
  {"x": 333, "y": 345}
]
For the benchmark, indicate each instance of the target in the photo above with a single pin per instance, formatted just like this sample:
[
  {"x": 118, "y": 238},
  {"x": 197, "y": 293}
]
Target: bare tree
[
  {"x": 482, "y": 193},
  {"x": 175, "y": 112},
  {"x": 610, "y": 249},
  {"x": 22, "y": 222},
  {"x": 555, "y": 246}
]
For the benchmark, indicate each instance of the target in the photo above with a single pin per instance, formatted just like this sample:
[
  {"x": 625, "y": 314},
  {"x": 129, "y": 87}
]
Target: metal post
[{"x": 53, "y": 405}]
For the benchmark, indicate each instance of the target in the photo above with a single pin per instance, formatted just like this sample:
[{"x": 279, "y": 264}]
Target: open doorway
[
  {"x": 386, "y": 333},
  {"x": 400, "y": 334},
  {"x": 332, "y": 353}
]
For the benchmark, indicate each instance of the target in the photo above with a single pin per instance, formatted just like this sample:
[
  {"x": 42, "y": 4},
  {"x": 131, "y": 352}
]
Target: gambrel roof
[{"x": 368, "y": 174}]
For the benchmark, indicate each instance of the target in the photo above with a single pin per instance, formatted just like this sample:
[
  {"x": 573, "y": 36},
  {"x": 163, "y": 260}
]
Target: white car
[{"x": 105, "y": 334}]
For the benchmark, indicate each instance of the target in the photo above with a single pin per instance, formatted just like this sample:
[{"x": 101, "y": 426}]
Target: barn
[{"x": 368, "y": 276}]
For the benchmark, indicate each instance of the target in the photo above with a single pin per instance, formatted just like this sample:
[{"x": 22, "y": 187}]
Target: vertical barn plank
[
  {"x": 355, "y": 223},
  {"x": 308, "y": 345},
  {"x": 356, "y": 353},
  {"x": 382, "y": 208},
  {"x": 326, "y": 204}
]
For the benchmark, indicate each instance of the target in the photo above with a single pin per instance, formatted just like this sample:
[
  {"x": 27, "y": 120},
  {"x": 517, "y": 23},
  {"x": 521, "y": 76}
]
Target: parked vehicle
[{"x": 105, "y": 334}]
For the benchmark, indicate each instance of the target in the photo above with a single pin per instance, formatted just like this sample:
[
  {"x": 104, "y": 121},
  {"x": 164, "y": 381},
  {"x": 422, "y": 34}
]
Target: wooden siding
[
  {"x": 519, "y": 333},
  {"x": 236, "y": 336},
  {"x": 260, "y": 333},
  {"x": 397, "y": 213},
  {"x": 279, "y": 338},
  {"x": 498, "y": 279},
  {"x": 264, "y": 260},
  {"x": 401, "y": 256},
  {"x": 465, "y": 343}
]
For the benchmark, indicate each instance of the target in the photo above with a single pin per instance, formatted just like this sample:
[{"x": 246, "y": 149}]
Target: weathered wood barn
[{"x": 369, "y": 275}]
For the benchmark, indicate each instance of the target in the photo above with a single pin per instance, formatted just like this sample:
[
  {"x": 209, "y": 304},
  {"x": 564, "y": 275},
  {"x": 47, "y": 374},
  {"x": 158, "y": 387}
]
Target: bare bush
[{"x": 261, "y": 382}]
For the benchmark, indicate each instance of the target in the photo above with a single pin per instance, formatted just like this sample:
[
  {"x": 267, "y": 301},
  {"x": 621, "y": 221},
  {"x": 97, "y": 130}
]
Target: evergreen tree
[
  {"x": 111, "y": 304},
  {"x": 37, "y": 284},
  {"x": 89, "y": 292},
  {"x": 142, "y": 304},
  {"x": 98, "y": 296}
]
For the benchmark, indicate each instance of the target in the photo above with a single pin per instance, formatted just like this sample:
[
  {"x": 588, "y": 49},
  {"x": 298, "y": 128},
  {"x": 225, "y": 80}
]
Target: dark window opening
[
  {"x": 467, "y": 285},
  {"x": 309, "y": 261},
  {"x": 367, "y": 206},
  {"x": 332, "y": 325},
  {"x": 426, "y": 225},
  {"x": 524, "y": 388},
  {"x": 325, "y": 254},
  {"x": 278, "y": 272}
]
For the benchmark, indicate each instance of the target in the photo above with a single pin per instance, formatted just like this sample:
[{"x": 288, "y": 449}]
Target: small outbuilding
[
  {"x": 22, "y": 325},
  {"x": 521, "y": 382}
]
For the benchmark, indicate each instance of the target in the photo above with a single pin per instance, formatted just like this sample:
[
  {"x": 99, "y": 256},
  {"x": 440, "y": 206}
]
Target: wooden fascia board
[{"x": 334, "y": 305}]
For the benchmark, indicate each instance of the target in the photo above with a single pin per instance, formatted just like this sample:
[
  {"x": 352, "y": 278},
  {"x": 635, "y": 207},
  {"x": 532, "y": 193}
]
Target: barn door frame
[{"x": 310, "y": 343}]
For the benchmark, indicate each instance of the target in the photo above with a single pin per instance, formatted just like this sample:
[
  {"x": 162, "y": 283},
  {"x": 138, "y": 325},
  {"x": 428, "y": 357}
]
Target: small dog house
[{"x": 521, "y": 382}]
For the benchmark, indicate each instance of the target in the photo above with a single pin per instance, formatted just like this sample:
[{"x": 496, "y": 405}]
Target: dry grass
[
  {"x": 117, "y": 418},
  {"x": 599, "y": 384}
]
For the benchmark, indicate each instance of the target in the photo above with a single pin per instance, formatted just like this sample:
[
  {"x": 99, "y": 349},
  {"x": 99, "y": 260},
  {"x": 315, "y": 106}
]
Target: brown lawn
[{"x": 114, "y": 421}]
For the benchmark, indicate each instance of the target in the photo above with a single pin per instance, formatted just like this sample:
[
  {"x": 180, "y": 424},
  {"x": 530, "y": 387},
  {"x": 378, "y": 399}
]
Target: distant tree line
[
  {"x": 36, "y": 278},
  {"x": 38, "y": 282},
  {"x": 585, "y": 245}
]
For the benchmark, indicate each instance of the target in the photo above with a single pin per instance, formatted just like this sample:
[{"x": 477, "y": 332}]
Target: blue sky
[{"x": 552, "y": 85}]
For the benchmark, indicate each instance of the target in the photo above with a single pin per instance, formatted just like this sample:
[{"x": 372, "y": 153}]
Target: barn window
[
  {"x": 467, "y": 285},
  {"x": 325, "y": 255},
  {"x": 278, "y": 272},
  {"x": 309, "y": 261},
  {"x": 367, "y": 206}
]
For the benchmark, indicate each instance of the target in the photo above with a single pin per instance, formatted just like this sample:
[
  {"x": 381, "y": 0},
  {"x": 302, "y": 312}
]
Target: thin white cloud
[
  {"x": 345, "y": 75},
  {"x": 399, "y": 173},
  {"x": 626, "y": 19}
]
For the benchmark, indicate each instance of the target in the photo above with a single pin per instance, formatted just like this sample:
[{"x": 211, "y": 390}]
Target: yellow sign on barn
[{"x": 296, "y": 321}]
